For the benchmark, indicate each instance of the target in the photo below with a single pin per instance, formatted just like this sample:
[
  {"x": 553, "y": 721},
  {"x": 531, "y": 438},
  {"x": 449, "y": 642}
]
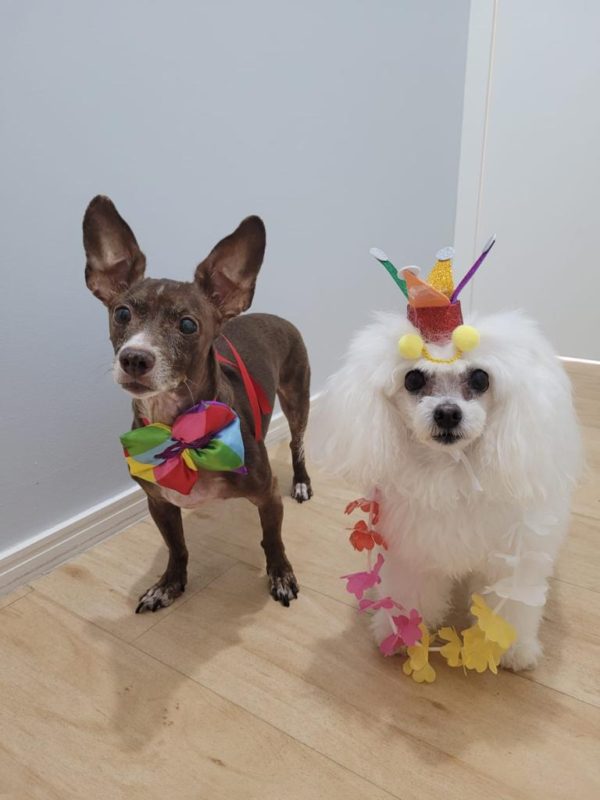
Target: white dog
[{"x": 468, "y": 458}]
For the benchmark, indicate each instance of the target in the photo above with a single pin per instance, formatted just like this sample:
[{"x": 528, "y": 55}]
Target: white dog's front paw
[
  {"x": 380, "y": 626},
  {"x": 522, "y": 655}
]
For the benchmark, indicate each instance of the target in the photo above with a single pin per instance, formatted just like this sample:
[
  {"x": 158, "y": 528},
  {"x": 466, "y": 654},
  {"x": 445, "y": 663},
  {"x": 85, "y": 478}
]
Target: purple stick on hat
[{"x": 488, "y": 246}]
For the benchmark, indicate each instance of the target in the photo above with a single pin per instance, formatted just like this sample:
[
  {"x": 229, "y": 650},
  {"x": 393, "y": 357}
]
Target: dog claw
[
  {"x": 302, "y": 492},
  {"x": 158, "y": 597},
  {"x": 284, "y": 588}
]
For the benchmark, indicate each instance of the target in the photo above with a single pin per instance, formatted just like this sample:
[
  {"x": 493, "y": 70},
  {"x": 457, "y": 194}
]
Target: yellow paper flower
[
  {"x": 425, "y": 675},
  {"x": 451, "y": 651},
  {"x": 480, "y": 653},
  {"x": 496, "y": 628},
  {"x": 417, "y": 664}
]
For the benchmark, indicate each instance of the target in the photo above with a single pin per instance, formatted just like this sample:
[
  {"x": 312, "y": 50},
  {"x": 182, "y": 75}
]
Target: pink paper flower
[
  {"x": 358, "y": 582},
  {"x": 391, "y": 644},
  {"x": 408, "y": 627},
  {"x": 407, "y": 633},
  {"x": 374, "y": 605}
]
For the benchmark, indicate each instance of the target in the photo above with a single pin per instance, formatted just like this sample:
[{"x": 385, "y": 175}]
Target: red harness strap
[{"x": 259, "y": 402}]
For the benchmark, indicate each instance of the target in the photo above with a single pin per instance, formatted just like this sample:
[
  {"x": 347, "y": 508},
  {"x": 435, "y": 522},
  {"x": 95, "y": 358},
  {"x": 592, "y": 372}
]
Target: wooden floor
[{"x": 228, "y": 695}]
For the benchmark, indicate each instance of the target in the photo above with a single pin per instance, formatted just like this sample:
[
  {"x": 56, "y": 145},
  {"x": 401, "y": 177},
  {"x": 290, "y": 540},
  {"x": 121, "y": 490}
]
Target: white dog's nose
[{"x": 447, "y": 416}]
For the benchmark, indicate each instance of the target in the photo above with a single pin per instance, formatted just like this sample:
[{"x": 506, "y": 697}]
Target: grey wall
[
  {"x": 541, "y": 172},
  {"x": 336, "y": 120}
]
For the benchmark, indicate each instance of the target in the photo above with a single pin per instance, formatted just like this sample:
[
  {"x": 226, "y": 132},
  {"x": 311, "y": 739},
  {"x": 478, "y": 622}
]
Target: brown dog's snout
[{"x": 136, "y": 362}]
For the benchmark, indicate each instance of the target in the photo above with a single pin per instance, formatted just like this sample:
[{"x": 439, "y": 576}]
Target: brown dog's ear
[
  {"x": 113, "y": 259},
  {"x": 228, "y": 274}
]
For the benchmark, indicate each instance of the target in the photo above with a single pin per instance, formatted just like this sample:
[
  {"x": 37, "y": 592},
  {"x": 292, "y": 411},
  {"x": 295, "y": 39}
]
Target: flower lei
[{"x": 478, "y": 648}]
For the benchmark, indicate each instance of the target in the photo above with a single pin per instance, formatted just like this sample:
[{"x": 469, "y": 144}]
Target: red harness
[{"x": 259, "y": 402}]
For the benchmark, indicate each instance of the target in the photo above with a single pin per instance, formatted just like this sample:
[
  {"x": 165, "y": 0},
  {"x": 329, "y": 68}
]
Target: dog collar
[
  {"x": 433, "y": 306},
  {"x": 206, "y": 437}
]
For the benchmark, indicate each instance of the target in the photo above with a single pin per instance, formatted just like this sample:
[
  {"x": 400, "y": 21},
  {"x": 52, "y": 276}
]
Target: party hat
[
  {"x": 440, "y": 276},
  {"x": 421, "y": 294},
  {"x": 433, "y": 306},
  {"x": 377, "y": 253}
]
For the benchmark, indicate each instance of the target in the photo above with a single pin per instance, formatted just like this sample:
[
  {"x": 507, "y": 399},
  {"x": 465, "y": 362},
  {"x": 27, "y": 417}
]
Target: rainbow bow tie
[{"x": 207, "y": 436}]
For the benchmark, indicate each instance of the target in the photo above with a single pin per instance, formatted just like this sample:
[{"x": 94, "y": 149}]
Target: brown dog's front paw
[
  {"x": 158, "y": 596},
  {"x": 283, "y": 585},
  {"x": 302, "y": 491}
]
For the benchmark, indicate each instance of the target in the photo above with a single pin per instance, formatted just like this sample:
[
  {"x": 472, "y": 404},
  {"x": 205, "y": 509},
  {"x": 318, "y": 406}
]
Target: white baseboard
[
  {"x": 572, "y": 360},
  {"x": 54, "y": 546}
]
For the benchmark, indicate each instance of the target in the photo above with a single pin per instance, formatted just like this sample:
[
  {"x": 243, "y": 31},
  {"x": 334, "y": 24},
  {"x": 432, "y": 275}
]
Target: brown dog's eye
[
  {"x": 122, "y": 315},
  {"x": 188, "y": 325},
  {"x": 479, "y": 381},
  {"x": 414, "y": 381}
]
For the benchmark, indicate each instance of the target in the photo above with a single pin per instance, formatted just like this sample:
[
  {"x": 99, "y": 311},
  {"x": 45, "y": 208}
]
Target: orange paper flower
[
  {"x": 363, "y": 538},
  {"x": 368, "y": 506}
]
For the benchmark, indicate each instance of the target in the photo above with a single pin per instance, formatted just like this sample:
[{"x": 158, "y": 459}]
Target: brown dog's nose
[
  {"x": 136, "y": 362},
  {"x": 447, "y": 416}
]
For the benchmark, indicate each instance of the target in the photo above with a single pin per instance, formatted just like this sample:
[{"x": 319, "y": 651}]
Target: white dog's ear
[
  {"x": 356, "y": 431},
  {"x": 531, "y": 439}
]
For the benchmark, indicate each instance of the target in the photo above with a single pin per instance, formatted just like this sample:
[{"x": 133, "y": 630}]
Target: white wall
[
  {"x": 530, "y": 166},
  {"x": 337, "y": 120}
]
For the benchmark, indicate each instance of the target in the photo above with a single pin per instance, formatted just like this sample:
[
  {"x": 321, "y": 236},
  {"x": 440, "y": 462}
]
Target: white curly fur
[{"x": 520, "y": 438}]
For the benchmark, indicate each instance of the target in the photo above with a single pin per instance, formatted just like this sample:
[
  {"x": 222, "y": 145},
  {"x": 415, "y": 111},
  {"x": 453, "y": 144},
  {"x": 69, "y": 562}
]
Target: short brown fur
[{"x": 170, "y": 371}]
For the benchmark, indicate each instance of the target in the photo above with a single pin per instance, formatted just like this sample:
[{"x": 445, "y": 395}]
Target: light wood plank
[
  {"x": 579, "y": 560},
  {"x": 315, "y": 533},
  {"x": 20, "y": 783},
  {"x": 7, "y": 599},
  {"x": 585, "y": 378},
  {"x": 587, "y": 497},
  {"x": 253, "y": 700},
  {"x": 97, "y": 718},
  {"x": 570, "y": 635},
  {"x": 315, "y": 674},
  {"x": 103, "y": 585}
]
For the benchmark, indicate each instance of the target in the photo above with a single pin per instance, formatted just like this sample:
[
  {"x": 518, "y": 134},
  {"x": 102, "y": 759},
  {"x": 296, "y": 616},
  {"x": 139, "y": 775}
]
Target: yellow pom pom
[
  {"x": 465, "y": 338},
  {"x": 410, "y": 346}
]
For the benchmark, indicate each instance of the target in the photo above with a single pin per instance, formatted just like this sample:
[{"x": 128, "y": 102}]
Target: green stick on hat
[{"x": 384, "y": 260}]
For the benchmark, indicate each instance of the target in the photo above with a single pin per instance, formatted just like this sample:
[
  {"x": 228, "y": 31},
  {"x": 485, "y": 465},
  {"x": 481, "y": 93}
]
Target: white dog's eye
[
  {"x": 414, "y": 381},
  {"x": 479, "y": 381}
]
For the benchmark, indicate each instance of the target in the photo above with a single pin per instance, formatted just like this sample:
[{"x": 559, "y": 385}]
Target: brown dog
[{"x": 166, "y": 336}]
